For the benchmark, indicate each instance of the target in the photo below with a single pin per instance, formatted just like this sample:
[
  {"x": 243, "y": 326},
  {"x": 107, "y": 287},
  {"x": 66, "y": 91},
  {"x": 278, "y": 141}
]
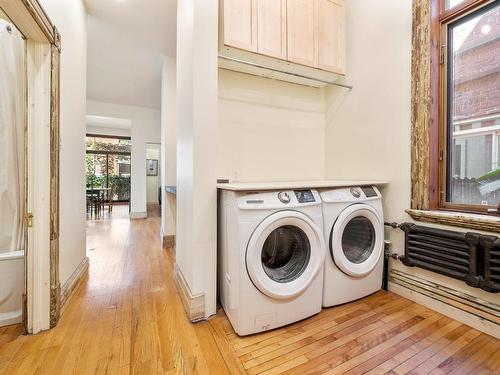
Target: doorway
[
  {"x": 30, "y": 196},
  {"x": 108, "y": 172},
  {"x": 13, "y": 189},
  {"x": 153, "y": 179}
]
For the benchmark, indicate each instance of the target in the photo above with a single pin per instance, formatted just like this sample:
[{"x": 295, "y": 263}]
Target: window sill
[{"x": 458, "y": 219}]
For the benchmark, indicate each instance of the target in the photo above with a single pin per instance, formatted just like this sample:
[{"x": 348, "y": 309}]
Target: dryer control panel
[
  {"x": 352, "y": 194},
  {"x": 369, "y": 191}
]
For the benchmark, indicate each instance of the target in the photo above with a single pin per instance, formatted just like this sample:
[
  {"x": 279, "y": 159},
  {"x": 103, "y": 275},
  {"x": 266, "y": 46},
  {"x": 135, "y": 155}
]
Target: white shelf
[{"x": 286, "y": 185}]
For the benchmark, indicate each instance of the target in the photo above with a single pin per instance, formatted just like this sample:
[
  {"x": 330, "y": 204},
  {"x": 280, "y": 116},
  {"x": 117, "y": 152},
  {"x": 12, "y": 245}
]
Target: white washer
[
  {"x": 271, "y": 257},
  {"x": 354, "y": 232}
]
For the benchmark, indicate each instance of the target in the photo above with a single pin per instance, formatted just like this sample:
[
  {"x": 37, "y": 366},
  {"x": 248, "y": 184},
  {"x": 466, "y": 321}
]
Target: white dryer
[
  {"x": 354, "y": 231},
  {"x": 270, "y": 257}
]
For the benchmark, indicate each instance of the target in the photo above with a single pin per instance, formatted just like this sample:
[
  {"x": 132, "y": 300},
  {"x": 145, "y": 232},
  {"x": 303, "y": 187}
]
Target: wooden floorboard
[{"x": 126, "y": 317}]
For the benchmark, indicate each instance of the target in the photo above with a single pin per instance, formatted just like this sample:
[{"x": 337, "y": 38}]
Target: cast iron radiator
[{"x": 471, "y": 257}]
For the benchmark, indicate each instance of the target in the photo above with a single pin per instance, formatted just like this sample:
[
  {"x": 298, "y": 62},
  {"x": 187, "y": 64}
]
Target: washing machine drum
[
  {"x": 284, "y": 254},
  {"x": 356, "y": 240}
]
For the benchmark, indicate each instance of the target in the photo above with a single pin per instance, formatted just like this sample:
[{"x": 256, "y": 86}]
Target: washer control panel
[
  {"x": 278, "y": 199},
  {"x": 304, "y": 196},
  {"x": 284, "y": 197}
]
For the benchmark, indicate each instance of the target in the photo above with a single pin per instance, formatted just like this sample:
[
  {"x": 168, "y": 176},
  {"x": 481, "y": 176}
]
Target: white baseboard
[
  {"x": 474, "y": 312},
  {"x": 71, "y": 284},
  {"x": 193, "y": 304},
  {"x": 10, "y": 318},
  {"x": 138, "y": 215}
]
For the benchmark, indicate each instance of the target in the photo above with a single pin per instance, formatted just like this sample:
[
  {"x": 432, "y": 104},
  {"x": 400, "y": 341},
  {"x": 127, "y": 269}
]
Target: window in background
[
  {"x": 107, "y": 163},
  {"x": 471, "y": 172}
]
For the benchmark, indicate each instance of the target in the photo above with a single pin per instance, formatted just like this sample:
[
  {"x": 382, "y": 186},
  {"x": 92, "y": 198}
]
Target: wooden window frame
[
  {"x": 91, "y": 135},
  {"x": 428, "y": 119},
  {"x": 442, "y": 112}
]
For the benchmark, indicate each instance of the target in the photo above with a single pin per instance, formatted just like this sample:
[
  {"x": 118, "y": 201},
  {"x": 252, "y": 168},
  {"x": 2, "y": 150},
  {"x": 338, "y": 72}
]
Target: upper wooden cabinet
[
  {"x": 302, "y": 41},
  {"x": 288, "y": 36},
  {"x": 240, "y": 24},
  {"x": 331, "y": 35},
  {"x": 271, "y": 28}
]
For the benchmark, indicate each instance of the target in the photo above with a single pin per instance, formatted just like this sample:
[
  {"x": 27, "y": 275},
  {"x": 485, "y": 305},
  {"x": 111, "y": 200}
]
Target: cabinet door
[
  {"x": 240, "y": 24},
  {"x": 331, "y": 35},
  {"x": 271, "y": 28},
  {"x": 301, "y": 32}
]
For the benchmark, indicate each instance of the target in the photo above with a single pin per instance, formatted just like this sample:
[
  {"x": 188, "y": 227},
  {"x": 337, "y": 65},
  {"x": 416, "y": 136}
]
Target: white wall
[
  {"x": 145, "y": 128},
  {"x": 69, "y": 16},
  {"x": 269, "y": 130},
  {"x": 169, "y": 144},
  {"x": 368, "y": 128},
  {"x": 153, "y": 151},
  {"x": 196, "y": 147}
]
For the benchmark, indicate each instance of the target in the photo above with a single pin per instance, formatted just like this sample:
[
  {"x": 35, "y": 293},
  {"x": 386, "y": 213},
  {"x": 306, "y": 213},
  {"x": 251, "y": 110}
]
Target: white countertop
[{"x": 314, "y": 184}]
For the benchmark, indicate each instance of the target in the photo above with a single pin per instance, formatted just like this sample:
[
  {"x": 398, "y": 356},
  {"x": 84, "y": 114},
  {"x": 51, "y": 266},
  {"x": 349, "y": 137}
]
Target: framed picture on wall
[{"x": 151, "y": 167}]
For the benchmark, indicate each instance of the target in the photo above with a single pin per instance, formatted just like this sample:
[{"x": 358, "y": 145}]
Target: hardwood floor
[
  {"x": 126, "y": 317},
  {"x": 154, "y": 210}
]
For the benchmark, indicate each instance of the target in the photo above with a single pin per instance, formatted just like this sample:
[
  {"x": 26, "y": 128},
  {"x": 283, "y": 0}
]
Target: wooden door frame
[{"x": 41, "y": 301}]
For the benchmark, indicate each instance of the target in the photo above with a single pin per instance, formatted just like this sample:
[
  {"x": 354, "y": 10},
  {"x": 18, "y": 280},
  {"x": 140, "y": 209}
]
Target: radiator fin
[{"x": 491, "y": 279}]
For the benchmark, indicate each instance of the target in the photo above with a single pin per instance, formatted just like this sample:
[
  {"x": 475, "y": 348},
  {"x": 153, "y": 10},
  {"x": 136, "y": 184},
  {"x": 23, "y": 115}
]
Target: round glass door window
[
  {"x": 358, "y": 239},
  {"x": 285, "y": 254}
]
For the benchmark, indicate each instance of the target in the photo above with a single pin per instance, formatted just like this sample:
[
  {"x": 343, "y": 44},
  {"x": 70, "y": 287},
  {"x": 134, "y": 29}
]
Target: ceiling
[{"x": 126, "y": 42}]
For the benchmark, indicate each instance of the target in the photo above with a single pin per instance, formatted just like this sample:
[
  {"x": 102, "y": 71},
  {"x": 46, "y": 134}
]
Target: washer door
[
  {"x": 356, "y": 240},
  {"x": 284, "y": 254}
]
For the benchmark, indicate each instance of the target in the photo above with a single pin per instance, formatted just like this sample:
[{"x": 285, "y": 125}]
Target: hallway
[{"x": 126, "y": 317}]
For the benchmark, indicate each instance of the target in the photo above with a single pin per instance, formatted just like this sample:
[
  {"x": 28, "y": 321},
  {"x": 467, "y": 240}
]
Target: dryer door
[
  {"x": 284, "y": 254},
  {"x": 356, "y": 240}
]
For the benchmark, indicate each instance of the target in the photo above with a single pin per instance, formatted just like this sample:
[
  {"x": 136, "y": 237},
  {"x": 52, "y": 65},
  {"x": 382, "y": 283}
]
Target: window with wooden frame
[
  {"x": 455, "y": 113},
  {"x": 468, "y": 108}
]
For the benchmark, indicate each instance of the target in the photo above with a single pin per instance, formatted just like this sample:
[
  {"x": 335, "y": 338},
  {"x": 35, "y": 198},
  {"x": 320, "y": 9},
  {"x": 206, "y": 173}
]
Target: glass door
[
  {"x": 356, "y": 240},
  {"x": 108, "y": 167},
  {"x": 96, "y": 170},
  {"x": 284, "y": 254},
  {"x": 118, "y": 177}
]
